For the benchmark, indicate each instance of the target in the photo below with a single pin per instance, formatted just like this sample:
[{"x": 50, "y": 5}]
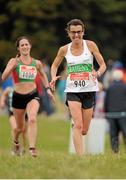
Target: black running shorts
[
  {"x": 87, "y": 99},
  {"x": 20, "y": 101}
]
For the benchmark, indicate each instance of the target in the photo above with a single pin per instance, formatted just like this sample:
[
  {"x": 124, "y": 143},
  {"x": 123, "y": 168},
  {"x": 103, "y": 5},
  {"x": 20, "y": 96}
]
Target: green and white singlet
[{"x": 80, "y": 71}]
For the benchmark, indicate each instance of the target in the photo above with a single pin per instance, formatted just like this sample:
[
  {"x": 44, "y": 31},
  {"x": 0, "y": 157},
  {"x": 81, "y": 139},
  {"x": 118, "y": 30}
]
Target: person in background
[
  {"x": 47, "y": 105},
  {"x": 81, "y": 83},
  {"x": 61, "y": 84},
  {"x": 40, "y": 91},
  {"x": 99, "y": 102},
  {"x": 6, "y": 102},
  {"x": 24, "y": 69},
  {"x": 115, "y": 108},
  {"x": 7, "y": 83},
  {"x": 107, "y": 75},
  {"x": 60, "y": 87},
  {"x": 111, "y": 65}
]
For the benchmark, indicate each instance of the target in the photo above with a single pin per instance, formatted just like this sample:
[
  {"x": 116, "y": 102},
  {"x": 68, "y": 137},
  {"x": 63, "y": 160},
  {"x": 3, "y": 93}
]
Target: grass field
[{"x": 54, "y": 161}]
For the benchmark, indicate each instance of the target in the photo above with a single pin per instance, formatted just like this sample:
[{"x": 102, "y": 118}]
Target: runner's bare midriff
[{"x": 24, "y": 87}]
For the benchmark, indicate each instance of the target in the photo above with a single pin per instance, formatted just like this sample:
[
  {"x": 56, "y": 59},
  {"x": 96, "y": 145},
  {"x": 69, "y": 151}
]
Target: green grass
[{"x": 54, "y": 161}]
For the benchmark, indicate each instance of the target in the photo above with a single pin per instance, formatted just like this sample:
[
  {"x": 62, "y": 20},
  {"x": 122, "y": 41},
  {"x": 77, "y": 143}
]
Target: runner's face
[
  {"x": 24, "y": 47},
  {"x": 76, "y": 32}
]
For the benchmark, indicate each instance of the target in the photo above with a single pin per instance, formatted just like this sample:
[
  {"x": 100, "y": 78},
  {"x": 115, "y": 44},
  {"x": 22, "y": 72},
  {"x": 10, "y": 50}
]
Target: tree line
[{"x": 44, "y": 21}]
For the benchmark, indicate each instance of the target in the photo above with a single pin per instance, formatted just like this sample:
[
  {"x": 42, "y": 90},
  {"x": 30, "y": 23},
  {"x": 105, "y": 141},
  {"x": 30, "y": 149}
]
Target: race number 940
[{"x": 79, "y": 83}]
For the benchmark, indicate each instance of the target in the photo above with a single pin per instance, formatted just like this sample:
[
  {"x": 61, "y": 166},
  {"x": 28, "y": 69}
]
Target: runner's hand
[
  {"x": 94, "y": 75},
  {"x": 53, "y": 82},
  {"x": 49, "y": 92}
]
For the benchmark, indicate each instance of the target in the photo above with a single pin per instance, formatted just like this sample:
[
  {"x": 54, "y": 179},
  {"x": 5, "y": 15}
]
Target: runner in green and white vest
[{"x": 82, "y": 77}]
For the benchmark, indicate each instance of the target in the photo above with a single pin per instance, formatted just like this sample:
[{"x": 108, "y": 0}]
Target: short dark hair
[{"x": 75, "y": 22}]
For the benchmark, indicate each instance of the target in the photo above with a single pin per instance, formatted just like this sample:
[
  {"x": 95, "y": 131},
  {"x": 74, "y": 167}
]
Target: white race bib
[{"x": 27, "y": 72}]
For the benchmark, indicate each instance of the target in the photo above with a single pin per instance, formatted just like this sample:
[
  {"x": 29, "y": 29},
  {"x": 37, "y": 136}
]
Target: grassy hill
[{"x": 54, "y": 161}]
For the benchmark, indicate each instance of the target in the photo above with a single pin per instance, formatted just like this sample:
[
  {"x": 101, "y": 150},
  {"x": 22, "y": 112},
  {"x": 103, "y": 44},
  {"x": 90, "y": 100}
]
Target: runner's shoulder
[
  {"x": 63, "y": 49},
  {"x": 91, "y": 45}
]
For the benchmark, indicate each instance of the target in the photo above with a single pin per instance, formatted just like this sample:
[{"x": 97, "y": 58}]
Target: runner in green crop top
[
  {"x": 25, "y": 73},
  {"x": 25, "y": 96}
]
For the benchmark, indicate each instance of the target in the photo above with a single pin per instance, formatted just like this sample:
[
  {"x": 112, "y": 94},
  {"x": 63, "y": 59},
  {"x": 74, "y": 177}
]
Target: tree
[{"x": 44, "y": 21}]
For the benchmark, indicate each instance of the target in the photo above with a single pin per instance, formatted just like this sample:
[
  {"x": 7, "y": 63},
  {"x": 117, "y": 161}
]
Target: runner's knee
[
  {"x": 19, "y": 130},
  {"x": 84, "y": 132},
  {"x": 32, "y": 120},
  {"x": 77, "y": 126}
]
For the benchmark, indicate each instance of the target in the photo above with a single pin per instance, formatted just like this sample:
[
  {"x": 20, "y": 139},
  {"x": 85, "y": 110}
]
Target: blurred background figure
[
  {"x": 107, "y": 76},
  {"x": 4, "y": 85},
  {"x": 115, "y": 108},
  {"x": 40, "y": 91},
  {"x": 7, "y": 83},
  {"x": 99, "y": 99},
  {"x": 61, "y": 85},
  {"x": 47, "y": 106},
  {"x": 60, "y": 88},
  {"x": 6, "y": 102},
  {"x": 111, "y": 65}
]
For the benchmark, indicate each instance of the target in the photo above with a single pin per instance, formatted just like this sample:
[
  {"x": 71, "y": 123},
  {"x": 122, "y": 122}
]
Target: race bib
[
  {"x": 27, "y": 72},
  {"x": 79, "y": 76},
  {"x": 79, "y": 68},
  {"x": 79, "y": 79}
]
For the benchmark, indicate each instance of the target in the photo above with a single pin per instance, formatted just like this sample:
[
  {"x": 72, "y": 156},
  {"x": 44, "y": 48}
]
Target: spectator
[
  {"x": 6, "y": 101},
  {"x": 99, "y": 106},
  {"x": 47, "y": 105},
  {"x": 115, "y": 108}
]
